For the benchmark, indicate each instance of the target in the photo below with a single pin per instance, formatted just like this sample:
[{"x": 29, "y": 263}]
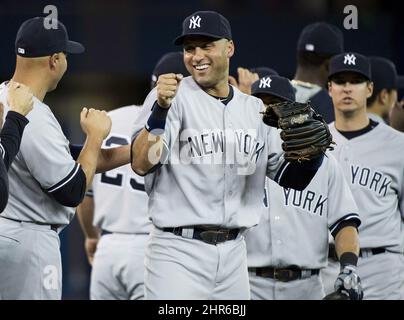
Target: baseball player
[
  {"x": 117, "y": 205},
  {"x": 45, "y": 182},
  {"x": 385, "y": 86},
  {"x": 20, "y": 102},
  {"x": 205, "y": 152},
  {"x": 289, "y": 246},
  {"x": 371, "y": 157},
  {"x": 317, "y": 43}
]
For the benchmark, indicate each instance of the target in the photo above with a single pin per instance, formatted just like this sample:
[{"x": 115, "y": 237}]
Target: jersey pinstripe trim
[
  {"x": 349, "y": 216},
  {"x": 2, "y": 151},
  {"x": 281, "y": 170},
  {"x": 66, "y": 179}
]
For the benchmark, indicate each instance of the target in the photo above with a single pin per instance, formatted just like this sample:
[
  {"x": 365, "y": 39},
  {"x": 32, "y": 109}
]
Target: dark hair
[
  {"x": 311, "y": 59},
  {"x": 375, "y": 93}
]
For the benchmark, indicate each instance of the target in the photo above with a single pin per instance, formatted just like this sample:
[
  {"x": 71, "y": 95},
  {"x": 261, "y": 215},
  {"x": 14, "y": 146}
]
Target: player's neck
[
  {"x": 377, "y": 109},
  {"x": 33, "y": 81},
  {"x": 351, "y": 121},
  {"x": 311, "y": 76},
  {"x": 221, "y": 89}
]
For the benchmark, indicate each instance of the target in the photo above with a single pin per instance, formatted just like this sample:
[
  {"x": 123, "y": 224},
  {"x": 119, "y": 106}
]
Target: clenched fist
[
  {"x": 167, "y": 85},
  {"x": 19, "y": 98},
  {"x": 95, "y": 122}
]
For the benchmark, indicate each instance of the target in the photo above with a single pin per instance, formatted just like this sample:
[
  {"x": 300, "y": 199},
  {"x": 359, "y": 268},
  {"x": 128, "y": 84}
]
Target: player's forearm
[
  {"x": 113, "y": 158},
  {"x": 89, "y": 156},
  {"x": 85, "y": 213},
  {"x": 146, "y": 152},
  {"x": 347, "y": 240},
  {"x": 11, "y": 135},
  {"x": 3, "y": 186}
]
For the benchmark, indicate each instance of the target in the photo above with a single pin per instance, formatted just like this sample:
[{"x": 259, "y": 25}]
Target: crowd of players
[{"x": 347, "y": 223}]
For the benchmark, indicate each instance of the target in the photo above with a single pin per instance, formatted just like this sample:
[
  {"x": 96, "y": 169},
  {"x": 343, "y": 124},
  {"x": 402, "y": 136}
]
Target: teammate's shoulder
[
  {"x": 303, "y": 84},
  {"x": 125, "y": 110},
  {"x": 390, "y": 133}
]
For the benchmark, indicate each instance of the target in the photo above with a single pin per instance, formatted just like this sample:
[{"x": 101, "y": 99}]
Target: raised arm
[{"x": 147, "y": 146}]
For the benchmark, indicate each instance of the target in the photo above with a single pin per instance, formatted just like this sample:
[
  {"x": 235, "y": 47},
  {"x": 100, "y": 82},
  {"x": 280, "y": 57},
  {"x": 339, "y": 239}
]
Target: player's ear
[
  {"x": 329, "y": 87},
  {"x": 383, "y": 96},
  {"x": 230, "y": 48},
  {"x": 53, "y": 60},
  {"x": 370, "y": 89}
]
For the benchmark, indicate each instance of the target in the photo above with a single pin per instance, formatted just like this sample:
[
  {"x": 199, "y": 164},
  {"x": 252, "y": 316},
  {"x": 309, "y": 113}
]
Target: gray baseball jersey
[
  {"x": 373, "y": 164},
  {"x": 119, "y": 195},
  {"x": 304, "y": 90},
  {"x": 42, "y": 166},
  {"x": 217, "y": 160},
  {"x": 294, "y": 230}
]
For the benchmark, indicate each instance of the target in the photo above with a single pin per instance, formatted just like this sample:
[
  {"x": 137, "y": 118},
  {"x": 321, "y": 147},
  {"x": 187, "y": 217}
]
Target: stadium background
[{"x": 124, "y": 39}]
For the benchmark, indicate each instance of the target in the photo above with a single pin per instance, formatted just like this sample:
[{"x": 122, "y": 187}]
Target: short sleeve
[{"x": 46, "y": 153}]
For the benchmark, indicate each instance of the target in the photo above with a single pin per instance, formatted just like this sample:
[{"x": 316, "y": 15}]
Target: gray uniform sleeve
[
  {"x": 45, "y": 151},
  {"x": 275, "y": 155},
  {"x": 341, "y": 204},
  {"x": 401, "y": 196}
]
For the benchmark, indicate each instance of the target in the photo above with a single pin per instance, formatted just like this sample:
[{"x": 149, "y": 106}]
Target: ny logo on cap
[
  {"x": 195, "y": 22},
  {"x": 21, "y": 51},
  {"x": 309, "y": 47},
  {"x": 265, "y": 82},
  {"x": 349, "y": 59}
]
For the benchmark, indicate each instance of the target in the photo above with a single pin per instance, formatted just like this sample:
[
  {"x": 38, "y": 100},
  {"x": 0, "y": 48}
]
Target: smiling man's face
[{"x": 207, "y": 59}]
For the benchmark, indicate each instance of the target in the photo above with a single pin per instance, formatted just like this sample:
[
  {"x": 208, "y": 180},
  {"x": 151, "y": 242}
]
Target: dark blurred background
[{"x": 124, "y": 39}]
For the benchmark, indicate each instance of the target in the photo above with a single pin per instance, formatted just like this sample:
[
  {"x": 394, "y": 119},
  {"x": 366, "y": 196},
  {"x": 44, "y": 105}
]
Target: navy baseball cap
[
  {"x": 274, "y": 85},
  {"x": 264, "y": 71},
  {"x": 205, "y": 23},
  {"x": 384, "y": 74},
  {"x": 321, "y": 38},
  {"x": 172, "y": 62},
  {"x": 350, "y": 62},
  {"x": 34, "y": 39}
]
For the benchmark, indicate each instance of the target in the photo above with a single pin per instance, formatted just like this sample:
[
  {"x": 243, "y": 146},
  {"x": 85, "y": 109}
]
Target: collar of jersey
[
  {"x": 226, "y": 100},
  {"x": 353, "y": 134}
]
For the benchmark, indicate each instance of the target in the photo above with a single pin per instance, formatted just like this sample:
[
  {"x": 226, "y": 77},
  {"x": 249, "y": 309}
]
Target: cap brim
[
  {"x": 180, "y": 40},
  {"x": 400, "y": 82},
  {"x": 74, "y": 47},
  {"x": 349, "y": 70}
]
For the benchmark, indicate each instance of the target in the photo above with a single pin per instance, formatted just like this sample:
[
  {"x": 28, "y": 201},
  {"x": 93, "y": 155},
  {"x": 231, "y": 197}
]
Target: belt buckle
[
  {"x": 212, "y": 236},
  {"x": 285, "y": 275}
]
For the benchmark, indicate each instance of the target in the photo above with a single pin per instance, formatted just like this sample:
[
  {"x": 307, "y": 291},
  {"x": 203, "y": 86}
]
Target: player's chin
[
  {"x": 350, "y": 109},
  {"x": 203, "y": 80}
]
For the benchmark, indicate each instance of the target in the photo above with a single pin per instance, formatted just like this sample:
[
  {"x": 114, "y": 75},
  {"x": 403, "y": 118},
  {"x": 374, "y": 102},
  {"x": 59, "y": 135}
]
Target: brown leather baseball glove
[{"x": 305, "y": 134}]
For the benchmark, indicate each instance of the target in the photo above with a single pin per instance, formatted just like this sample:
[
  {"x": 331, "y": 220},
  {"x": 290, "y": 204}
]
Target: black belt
[
  {"x": 284, "y": 274},
  {"x": 365, "y": 252},
  {"x": 53, "y": 227},
  {"x": 211, "y": 235}
]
